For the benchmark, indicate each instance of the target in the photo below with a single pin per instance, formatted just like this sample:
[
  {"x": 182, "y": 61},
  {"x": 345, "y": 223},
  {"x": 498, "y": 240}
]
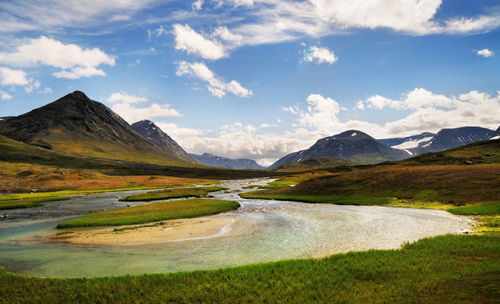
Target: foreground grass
[
  {"x": 445, "y": 269},
  {"x": 152, "y": 212},
  {"x": 172, "y": 193}
]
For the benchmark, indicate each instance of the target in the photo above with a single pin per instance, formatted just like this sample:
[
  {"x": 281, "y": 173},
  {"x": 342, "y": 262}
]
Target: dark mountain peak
[
  {"x": 353, "y": 145},
  {"x": 76, "y": 95},
  {"x": 150, "y": 131},
  {"x": 454, "y": 137},
  {"x": 352, "y": 134},
  {"x": 207, "y": 155},
  {"x": 76, "y": 124}
]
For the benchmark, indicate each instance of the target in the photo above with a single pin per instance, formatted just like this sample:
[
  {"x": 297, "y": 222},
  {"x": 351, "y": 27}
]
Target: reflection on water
[{"x": 260, "y": 231}]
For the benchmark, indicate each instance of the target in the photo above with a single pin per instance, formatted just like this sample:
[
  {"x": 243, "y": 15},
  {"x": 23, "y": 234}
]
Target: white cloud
[
  {"x": 160, "y": 31},
  {"x": 132, "y": 114},
  {"x": 216, "y": 86},
  {"x": 74, "y": 61},
  {"x": 124, "y": 105},
  {"x": 197, "y": 5},
  {"x": 47, "y": 14},
  {"x": 13, "y": 77},
  {"x": 415, "y": 99},
  {"x": 360, "y": 105},
  {"x": 34, "y": 85},
  {"x": 122, "y": 97},
  {"x": 238, "y": 140},
  {"x": 194, "y": 43},
  {"x": 5, "y": 95},
  {"x": 319, "y": 55},
  {"x": 485, "y": 53},
  {"x": 428, "y": 112}
]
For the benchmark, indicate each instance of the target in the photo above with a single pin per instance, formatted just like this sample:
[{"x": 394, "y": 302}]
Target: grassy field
[
  {"x": 445, "y": 269},
  {"x": 454, "y": 185},
  {"x": 172, "y": 193},
  {"x": 152, "y": 212},
  {"x": 27, "y": 202},
  {"x": 25, "y": 167}
]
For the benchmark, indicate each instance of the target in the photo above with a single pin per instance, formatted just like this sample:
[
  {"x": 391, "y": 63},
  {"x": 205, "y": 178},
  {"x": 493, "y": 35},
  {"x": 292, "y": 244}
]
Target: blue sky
[{"x": 259, "y": 79}]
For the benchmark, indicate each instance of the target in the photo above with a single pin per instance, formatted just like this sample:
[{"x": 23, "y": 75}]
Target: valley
[{"x": 85, "y": 194}]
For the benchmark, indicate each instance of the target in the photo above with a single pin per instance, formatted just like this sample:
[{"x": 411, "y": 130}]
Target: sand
[{"x": 174, "y": 230}]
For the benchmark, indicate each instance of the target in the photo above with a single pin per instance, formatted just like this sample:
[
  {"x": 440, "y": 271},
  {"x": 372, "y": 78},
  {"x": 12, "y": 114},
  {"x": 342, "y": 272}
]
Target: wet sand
[{"x": 174, "y": 230}]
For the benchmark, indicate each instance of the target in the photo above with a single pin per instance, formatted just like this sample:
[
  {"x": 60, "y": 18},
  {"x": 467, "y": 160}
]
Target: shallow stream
[{"x": 259, "y": 231}]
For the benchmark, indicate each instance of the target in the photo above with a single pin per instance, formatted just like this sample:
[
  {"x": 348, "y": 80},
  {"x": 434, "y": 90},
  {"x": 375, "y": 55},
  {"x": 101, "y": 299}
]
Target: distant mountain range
[
  {"x": 443, "y": 140},
  {"x": 154, "y": 134},
  {"x": 351, "y": 145},
  {"x": 223, "y": 162},
  {"x": 74, "y": 124},
  {"x": 359, "y": 147}
]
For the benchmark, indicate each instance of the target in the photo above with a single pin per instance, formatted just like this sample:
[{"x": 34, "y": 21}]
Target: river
[{"x": 259, "y": 231}]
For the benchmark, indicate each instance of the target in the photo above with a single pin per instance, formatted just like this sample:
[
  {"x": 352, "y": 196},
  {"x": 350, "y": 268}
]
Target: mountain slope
[
  {"x": 77, "y": 125},
  {"x": 409, "y": 141},
  {"x": 155, "y": 135},
  {"x": 451, "y": 138},
  {"x": 351, "y": 145},
  {"x": 223, "y": 162}
]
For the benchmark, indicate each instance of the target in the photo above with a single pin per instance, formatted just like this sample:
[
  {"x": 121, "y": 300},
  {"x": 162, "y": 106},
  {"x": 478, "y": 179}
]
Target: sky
[{"x": 259, "y": 79}]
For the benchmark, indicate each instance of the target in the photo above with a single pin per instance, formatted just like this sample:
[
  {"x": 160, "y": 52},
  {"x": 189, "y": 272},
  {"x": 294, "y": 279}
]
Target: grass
[
  {"x": 474, "y": 184},
  {"x": 477, "y": 210},
  {"x": 330, "y": 199},
  {"x": 152, "y": 212},
  {"x": 172, "y": 193},
  {"x": 444, "y": 269},
  {"x": 27, "y": 202}
]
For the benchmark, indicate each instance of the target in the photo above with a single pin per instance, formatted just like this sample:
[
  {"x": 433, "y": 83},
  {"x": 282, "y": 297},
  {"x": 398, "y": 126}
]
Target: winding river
[{"x": 259, "y": 231}]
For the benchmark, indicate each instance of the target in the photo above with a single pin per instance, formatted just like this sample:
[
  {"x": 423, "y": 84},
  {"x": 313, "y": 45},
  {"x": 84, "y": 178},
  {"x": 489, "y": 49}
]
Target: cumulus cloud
[
  {"x": 13, "y": 77},
  {"x": 5, "y": 95},
  {"x": 122, "y": 97},
  {"x": 73, "y": 61},
  {"x": 319, "y": 55},
  {"x": 124, "y": 105},
  {"x": 428, "y": 112},
  {"x": 238, "y": 140},
  {"x": 216, "y": 86},
  {"x": 189, "y": 40},
  {"x": 485, "y": 53},
  {"x": 197, "y": 5}
]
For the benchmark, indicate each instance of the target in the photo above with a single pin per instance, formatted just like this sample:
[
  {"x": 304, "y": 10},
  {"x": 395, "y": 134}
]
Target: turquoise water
[{"x": 260, "y": 231}]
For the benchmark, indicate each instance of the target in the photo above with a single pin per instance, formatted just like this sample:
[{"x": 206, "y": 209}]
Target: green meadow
[
  {"x": 444, "y": 269},
  {"x": 172, "y": 193},
  {"x": 152, "y": 212}
]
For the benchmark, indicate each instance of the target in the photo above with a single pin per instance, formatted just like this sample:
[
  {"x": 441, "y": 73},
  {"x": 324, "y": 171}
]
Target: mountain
[
  {"x": 154, "y": 134},
  {"x": 351, "y": 145},
  {"x": 320, "y": 162},
  {"x": 75, "y": 124},
  {"x": 408, "y": 142},
  {"x": 497, "y": 134},
  {"x": 451, "y": 138},
  {"x": 223, "y": 162}
]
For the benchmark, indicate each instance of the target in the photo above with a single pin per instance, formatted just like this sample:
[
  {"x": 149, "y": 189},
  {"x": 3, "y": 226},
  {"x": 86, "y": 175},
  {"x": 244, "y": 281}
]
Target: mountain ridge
[
  {"x": 224, "y": 162},
  {"x": 75, "y": 124},
  {"x": 352, "y": 145}
]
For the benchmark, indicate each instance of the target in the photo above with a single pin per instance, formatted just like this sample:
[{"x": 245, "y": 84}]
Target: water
[{"x": 259, "y": 231}]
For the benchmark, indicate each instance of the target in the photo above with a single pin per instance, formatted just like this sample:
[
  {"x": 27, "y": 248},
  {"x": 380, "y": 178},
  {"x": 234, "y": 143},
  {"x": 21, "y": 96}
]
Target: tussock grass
[
  {"x": 152, "y": 212},
  {"x": 172, "y": 193},
  {"x": 477, "y": 210},
  {"x": 445, "y": 269},
  {"x": 12, "y": 203}
]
